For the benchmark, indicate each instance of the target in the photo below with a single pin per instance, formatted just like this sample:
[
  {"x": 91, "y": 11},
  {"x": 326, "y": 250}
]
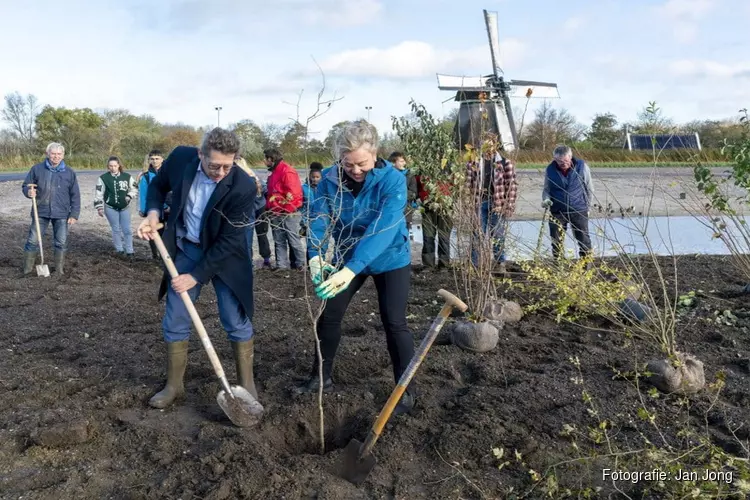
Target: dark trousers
[
  {"x": 261, "y": 232},
  {"x": 393, "y": 293},
  {"x": 436, "y": 227},
  {"x": 558, "y": 225}
]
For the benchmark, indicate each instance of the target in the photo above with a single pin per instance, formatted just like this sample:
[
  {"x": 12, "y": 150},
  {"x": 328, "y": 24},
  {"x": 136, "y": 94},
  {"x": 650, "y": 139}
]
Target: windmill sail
[{"x": 490, "y": 20}]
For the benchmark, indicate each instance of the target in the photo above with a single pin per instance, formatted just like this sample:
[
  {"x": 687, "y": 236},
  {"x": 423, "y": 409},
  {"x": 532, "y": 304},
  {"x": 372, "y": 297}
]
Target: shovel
[
  {"x": 41, "y": 269},
  {"x": 238, "y": 404},
  {"x": 358, "y": 460}
]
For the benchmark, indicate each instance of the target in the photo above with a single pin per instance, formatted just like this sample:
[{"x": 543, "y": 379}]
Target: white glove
[
  {"x": 317, "y": 267},
  {"x": 547, "y": 203}
]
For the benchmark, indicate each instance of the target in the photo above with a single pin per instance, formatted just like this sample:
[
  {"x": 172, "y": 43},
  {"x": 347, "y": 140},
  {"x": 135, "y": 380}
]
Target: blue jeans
[
  {"x": 493, "y": 226},
  {"x": 176, "y": 323},
  {"x": 119, "y": 221},
  {"x": 59, "y": 230}
]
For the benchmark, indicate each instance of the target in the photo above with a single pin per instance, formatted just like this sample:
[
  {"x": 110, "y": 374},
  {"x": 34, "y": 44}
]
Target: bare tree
[
  {"x": 551, "y": 126},
  {"x": 20, "y": 113}
]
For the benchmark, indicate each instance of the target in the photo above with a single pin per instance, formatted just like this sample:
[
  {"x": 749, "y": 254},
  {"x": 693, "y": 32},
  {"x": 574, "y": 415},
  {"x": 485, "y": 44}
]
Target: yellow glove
[
  {"x": 317, "y": 267},
  {"x": 335, "y": 284}
]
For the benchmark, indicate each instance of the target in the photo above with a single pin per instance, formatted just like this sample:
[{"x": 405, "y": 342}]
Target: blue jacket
[
  {"x": 57, "y": 194},
  {"x": 369, "y": 231},
  {"x": 143, "y": 185},
  {"x": 568, "y": 193}
]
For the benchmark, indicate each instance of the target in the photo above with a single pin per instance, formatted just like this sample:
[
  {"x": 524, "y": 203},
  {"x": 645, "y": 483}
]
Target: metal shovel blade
[
  {"x": 243, "y": 410},
  {"x": 42, "y": 270},
  {"x": 353, "y": 468}
]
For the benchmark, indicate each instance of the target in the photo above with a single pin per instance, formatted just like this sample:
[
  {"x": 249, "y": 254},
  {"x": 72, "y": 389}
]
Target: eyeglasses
[{"x": 215, "y": 167}]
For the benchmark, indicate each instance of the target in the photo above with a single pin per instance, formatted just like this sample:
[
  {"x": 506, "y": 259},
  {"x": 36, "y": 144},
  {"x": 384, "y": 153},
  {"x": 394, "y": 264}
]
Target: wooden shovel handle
[
  {"x": 36, "y": 223},
  {"x": 451, "y": 301},
  {"x": 215, "y": 363}
]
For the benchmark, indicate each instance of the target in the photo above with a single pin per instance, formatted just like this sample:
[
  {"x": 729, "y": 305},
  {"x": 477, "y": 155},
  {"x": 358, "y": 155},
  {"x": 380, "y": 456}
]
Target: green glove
[{"x": 335, "y": 284}]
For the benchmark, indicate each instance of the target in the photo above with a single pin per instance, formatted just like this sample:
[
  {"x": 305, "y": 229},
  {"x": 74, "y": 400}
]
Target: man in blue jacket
[
  {"x": 212, "y": 205},
  {"x": 360, "y": 203},
  {"x": 55, "y": 187},
  {"x": 567, "y": 193}
]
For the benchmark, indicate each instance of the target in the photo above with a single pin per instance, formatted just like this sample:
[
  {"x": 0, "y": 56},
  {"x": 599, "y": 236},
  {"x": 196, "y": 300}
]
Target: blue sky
[{"x": 178, "y": 59}]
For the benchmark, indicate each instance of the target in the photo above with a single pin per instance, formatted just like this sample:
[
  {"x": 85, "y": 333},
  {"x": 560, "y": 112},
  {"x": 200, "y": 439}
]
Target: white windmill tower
[{"x": 496, "y": 103}]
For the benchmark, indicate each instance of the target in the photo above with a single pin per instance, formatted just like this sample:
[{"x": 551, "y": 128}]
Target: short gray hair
[
  {"x": 221, "y": 140},
  {"x": 562, "y": 151},
  {"x": 355, "y": 135},
  {"x": 56, "y": 146}
]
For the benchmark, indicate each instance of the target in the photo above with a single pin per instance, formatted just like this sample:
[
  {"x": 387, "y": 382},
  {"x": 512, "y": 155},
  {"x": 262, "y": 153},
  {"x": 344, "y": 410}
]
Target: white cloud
[
  {"x": 685, "y": 17},
  {"x": 708, "y": 69},
  {"x": 415, "y": 59}
]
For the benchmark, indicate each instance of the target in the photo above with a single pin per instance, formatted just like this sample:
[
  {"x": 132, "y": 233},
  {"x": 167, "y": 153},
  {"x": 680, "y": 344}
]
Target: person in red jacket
[{"x": 283, "y": 200}]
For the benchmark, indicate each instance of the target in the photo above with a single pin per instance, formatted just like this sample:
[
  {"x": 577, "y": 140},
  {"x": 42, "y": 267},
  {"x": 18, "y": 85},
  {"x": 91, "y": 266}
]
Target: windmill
[{"x": 489, "y": 97}]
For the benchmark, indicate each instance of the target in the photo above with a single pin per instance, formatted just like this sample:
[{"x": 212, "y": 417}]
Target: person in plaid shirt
[{"x": 492, "y": 182}]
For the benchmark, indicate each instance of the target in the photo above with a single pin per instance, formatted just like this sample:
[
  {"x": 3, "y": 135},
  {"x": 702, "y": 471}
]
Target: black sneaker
[{"x": 313, "y": 384}]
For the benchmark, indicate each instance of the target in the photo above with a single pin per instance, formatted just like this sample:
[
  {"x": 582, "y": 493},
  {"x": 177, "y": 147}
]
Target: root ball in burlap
[
  {"x": 475, "y": 337},
  {"x": 686, "y": 378},
  {"x": 502, "y": 310}
]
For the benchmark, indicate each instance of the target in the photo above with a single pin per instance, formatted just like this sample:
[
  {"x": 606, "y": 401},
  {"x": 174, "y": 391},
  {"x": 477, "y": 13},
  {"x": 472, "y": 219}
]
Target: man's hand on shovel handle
[
  {"x": 32, "y": 191},
  {"x": 148, "y": 226},
  {"x": 183, "y": 283}
]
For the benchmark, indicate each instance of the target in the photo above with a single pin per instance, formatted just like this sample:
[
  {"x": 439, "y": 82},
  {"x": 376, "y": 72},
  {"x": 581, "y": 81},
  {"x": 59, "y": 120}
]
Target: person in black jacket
[
  {"x": 58, "y": 196},
  {"x": 212, "y": 205}
]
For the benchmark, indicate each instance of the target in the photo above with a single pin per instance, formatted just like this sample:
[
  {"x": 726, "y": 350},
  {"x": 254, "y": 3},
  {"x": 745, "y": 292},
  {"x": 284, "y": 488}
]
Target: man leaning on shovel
[
  {"x": 212, "y": 203},
  {"x": 58, "y": 199}
]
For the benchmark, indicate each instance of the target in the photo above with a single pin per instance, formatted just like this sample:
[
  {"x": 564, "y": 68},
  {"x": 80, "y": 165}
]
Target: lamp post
[
  {"x": 218, "y": 116},
  {"x": 368, "y": 108}
]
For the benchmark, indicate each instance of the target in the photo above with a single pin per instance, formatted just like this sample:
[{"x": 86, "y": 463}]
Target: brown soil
[{"x": 83, "y": 353}]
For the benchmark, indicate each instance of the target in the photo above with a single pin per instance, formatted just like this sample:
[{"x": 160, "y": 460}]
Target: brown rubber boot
[
  {"x": 243, "y": 356},
  {"x": 176, "y": 364},
  {"x": 29, "y": 258}
]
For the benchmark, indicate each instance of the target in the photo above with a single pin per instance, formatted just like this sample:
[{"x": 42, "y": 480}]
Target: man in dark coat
[
  {"x": 212, "y": 204},
  {"x": 55, "y": 187}
]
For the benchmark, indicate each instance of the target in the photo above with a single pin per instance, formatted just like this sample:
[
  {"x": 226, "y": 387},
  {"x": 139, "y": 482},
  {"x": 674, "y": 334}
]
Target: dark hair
[
  {"x": 117, "y": 159},
  {"x": 395, "y": 156},
  {"x": 272, "y": 153},
  {"x": 220, "y": 140},
  {"x": 155, "y": 152},
  {"x": 316, "y": 165}
]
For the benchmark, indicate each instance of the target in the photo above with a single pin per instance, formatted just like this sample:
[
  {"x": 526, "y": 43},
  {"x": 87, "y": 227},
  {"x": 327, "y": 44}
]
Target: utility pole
[
  {"x": 218, "y": 116},
  {"x": 368, "y": 108}
]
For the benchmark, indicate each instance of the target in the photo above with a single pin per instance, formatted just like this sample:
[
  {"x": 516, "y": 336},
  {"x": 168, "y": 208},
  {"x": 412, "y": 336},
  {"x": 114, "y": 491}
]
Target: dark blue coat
[
  {"x": 57, "y": 194},
  {"x": 223, "y": 226},
  {"x": 568, "y": 193},
  {"x": 369, "y": 230}
]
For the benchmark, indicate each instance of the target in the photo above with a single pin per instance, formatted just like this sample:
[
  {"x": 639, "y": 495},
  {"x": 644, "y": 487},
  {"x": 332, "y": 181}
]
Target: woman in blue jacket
[{"x": 360, "y": 203}]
